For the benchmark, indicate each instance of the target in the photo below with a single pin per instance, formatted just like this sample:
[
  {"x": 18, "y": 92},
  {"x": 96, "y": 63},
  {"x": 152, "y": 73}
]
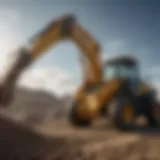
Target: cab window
[{"x": 110, "y": 72}]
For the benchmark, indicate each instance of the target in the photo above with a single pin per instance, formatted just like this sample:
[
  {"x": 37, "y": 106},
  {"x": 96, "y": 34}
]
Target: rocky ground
[{"x": 23, "y": 136}]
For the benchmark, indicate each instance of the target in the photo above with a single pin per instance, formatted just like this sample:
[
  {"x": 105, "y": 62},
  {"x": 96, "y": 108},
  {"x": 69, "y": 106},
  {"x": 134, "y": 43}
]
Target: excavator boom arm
[{"x": 68, "y": 28}]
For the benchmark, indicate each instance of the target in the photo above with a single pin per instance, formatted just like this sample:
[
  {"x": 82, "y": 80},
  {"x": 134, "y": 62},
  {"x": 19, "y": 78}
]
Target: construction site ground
[{"x": 57, "y": 140}]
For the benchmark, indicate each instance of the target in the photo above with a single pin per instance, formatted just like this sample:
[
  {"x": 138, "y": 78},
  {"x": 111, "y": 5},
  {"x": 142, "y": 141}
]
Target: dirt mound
[
  {"x": 59, "y": 141},
  {"x": 19, "y": 142},
  {"x": 35, "y": 106},
  {"x": 101, "y": 143}
]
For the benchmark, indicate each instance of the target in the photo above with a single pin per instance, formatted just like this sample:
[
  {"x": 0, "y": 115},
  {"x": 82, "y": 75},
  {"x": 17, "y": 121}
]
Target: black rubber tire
[
  {"x": 115, "y": 115},
  {"x": 75, "y": 121},
  {"x": 148, "y": 112}
]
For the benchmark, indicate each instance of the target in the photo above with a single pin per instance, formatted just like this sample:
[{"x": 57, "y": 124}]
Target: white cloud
[{"x": 52, "y": 79}]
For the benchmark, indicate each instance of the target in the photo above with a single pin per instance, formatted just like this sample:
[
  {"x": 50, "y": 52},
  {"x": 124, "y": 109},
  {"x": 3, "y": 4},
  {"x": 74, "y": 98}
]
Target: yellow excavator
[
  {"x": 121, "y": 97},
  {"x": 114, "y": 90}
]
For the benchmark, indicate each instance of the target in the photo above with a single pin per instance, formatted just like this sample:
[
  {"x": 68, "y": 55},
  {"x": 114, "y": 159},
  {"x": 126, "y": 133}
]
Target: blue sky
[{"x": 119, "y": 26}]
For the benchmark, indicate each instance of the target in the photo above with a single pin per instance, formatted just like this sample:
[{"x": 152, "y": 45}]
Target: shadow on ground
[{"x": 21, "y": 143}]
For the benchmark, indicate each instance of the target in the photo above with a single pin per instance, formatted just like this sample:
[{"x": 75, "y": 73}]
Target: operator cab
[{"x": 122, "y": 68}]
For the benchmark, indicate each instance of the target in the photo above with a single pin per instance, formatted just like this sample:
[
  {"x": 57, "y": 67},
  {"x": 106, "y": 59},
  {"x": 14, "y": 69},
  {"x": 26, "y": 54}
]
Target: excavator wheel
[
  {"x": 74, "y": 119},
  {"x": 122, "y": 114},
  {"x": 149, "y": 105}
]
